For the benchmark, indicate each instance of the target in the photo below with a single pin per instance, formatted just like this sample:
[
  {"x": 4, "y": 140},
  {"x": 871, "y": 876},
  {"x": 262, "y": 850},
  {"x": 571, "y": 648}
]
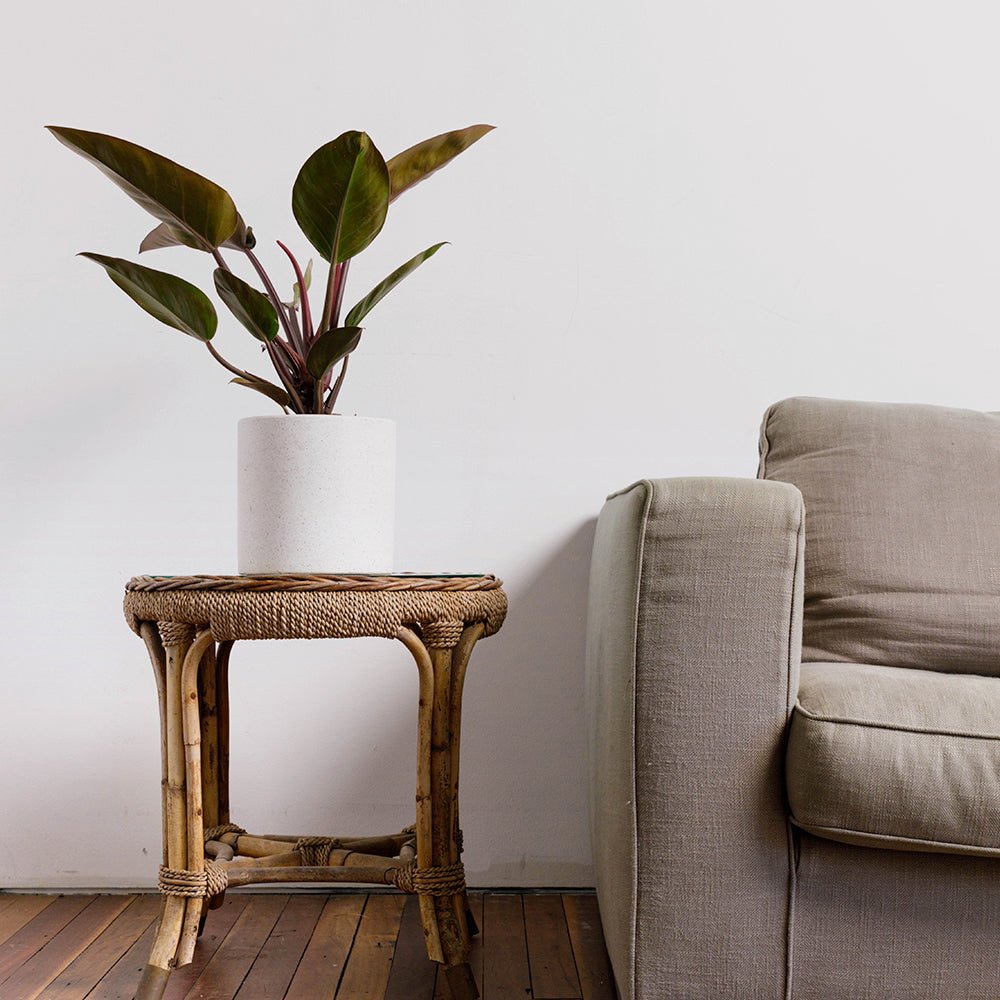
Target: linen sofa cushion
[
  {"x": 902, "y": 530},
  {"x": 896, "y": 757}
]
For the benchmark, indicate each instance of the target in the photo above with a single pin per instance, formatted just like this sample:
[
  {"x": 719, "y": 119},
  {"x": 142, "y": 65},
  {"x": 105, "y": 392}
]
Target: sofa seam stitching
[
  {"x": 894, "y": 838},
  {"x": 649, "y": 487},
  {"x": 790, "y": 844},
  {"x": 889, "y": 727}
]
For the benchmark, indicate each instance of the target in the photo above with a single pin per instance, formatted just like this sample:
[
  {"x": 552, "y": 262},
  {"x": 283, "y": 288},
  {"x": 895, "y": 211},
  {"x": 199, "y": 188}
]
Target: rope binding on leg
[
  {"x": 179, "y": 882},
  {"x": 316, "y": 851},
  {"x": 446, "y": 880},
  {"x": 218, "y": 832}
]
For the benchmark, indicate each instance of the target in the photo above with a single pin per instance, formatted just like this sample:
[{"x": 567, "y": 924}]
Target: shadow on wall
[
  {"x": 524, "y": 751},
  {"x": 525, "y": 756},
  {"x": 339, "y": 762}
]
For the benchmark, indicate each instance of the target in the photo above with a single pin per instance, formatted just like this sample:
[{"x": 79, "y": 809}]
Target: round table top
[
  {"x": 316, "y": 582},
  {"x": 307, "y": 606}
]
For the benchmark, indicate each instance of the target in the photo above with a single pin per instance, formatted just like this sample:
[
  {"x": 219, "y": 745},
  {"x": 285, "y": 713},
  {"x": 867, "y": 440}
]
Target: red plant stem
[
  {"x": 225, "y": 364},
  {"x": 220, "y": 260},
  {"x": 341, "y": 285},
  {"x": 307, "y": 327},
  {"x": 272, "y": 353},
  {"x": 325, "y": 322},
  {"x": 336, "y": 298},
  {"x": 293, "y": 319},
  {"x": 271, "y": 293},
  {"x": 332, "y": 401},
  {"x": 291, "y": 354}
]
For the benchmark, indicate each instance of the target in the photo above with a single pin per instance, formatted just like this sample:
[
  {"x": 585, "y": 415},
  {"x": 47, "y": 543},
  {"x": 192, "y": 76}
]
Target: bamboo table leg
[
  {"x": 192, "y": 682},
  {"x": 184, "y": 847},
  {"x": 442, "y": 655},
  {"x": 177, "y": 642}
]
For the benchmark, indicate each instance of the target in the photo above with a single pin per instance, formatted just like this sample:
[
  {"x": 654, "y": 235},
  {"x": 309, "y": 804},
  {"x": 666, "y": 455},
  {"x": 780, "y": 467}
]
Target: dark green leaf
[
  {"x": 345, "y": 181},
  {"x": 420, "y": 161},
  {"x": 365, "y": 306},
  {"x": 269, "y": 389},
  {"x": 170, "y": 299},
  {"x": 330, "y": 348},
  {"x": 172, "y": 193},
  {"x": 165, "y": 235},
  {"x": 248, "y": 305}
]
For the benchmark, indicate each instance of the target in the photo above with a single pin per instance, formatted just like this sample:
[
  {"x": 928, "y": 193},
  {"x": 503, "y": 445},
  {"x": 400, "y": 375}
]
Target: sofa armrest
[{"x": 694, "y": 632}]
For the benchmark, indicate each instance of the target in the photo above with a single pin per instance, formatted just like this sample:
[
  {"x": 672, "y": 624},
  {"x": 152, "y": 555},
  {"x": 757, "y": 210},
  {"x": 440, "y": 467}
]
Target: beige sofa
[{"x": 794, "y": 702}]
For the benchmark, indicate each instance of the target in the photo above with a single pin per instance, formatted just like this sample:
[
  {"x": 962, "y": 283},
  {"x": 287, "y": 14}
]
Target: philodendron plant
[{"x": 339, "y": 199}]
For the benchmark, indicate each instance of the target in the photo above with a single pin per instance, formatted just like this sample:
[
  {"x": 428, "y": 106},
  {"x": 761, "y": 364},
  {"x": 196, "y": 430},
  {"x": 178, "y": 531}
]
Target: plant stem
[
  {"x": 341, "y": 285},
  {"x": 293, "y": 357},
  {"x": 334, "y": 276},
  {"x": 250, "y": 377},
  {"x": 225, "y": 364},
  {"x": 307, "y": 327},
  {"x": 220, "y": 260},
  {"x": 293, "y": 321},
  {"x": 271, "y": 293},
  {"x": 332, "y": 401},
  {"x": 331, "y": 292},
  {"x": 272, "y": 353}
]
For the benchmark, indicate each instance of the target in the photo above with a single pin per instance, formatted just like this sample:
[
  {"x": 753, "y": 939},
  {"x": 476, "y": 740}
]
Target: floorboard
[
  {"x": 28, "y": 940},
  {"x": 367, "y": 972},
  {"x": 228, "y": 967},
  {"x": 583, "y": 921},
  {"x": 550, "y": 954},
  {"x": 32, "y": 976},
  {"x": 305, "y": 946},
  {"x": 505, "y": 954},
  {"x": 79, "y": 979},
  {"x": 318, "y": 974}
]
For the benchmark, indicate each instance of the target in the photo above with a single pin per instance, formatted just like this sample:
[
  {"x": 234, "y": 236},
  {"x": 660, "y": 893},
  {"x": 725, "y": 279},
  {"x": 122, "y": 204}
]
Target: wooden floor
[{"x": 314, "y": 946}]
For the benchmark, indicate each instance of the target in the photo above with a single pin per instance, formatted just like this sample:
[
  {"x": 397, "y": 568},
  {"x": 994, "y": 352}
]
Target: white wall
[{"x": 687, "y": 212}]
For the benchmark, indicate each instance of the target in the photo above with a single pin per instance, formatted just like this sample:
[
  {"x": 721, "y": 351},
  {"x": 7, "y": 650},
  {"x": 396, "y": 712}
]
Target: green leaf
[
  {"x": 420, "y": 161},
  {"x": 268, "y": 389},
  {"x": 307, "y": 279},
  {"x": 365, "y": 306},
  {"x": 329, "y": 348},
  {"x": 165, "y": 235},
  {"x": 346, "y": 182},
  {"x": 248, "y": 305},
  {"x": 172, "y": 193},
  {"x": 169, "y": 299}
]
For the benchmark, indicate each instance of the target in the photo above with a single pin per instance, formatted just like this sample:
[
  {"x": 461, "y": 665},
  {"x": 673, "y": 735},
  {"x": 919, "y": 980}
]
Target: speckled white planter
[{"x": 317, "y": 494}]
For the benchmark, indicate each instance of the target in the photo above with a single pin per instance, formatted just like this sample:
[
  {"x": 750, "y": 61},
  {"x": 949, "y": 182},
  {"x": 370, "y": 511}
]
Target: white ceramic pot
[{"x": 316, "y": 494}]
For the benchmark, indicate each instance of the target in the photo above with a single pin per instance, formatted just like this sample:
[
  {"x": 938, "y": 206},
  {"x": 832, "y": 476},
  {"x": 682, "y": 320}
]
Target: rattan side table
[{"x": 189, "y": 625}]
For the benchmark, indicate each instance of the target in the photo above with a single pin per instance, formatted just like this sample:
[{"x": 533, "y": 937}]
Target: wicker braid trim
[
  {"x": 175, "y": 633},
  {"x": 298, "y": 582},
  {"x": 179, "y": 882},
  {"x": 448, "y": 880},
  {"x": 442, "y": 634},
  {"x": 317, "y": 614},
  {"x": 217, "y": 832},
  {"x": 315, "y": 851},
  {"x": 459, "y": 836}
]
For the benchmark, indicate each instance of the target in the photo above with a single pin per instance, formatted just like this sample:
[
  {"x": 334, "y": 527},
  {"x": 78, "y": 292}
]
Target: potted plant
[{"x": 316, "y": 489}]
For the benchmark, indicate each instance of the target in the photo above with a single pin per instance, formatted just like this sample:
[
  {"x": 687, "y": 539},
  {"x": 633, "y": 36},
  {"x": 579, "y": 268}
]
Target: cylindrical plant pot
[{"x": 317, "y": 494}]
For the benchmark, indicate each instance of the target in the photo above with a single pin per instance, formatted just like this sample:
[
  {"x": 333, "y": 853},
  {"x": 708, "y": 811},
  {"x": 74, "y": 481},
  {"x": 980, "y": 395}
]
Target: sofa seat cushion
[{"x": 897, "y": 758}]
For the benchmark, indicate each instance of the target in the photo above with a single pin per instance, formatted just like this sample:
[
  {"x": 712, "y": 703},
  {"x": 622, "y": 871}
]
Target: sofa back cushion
[{"x": 902, "y": 562}]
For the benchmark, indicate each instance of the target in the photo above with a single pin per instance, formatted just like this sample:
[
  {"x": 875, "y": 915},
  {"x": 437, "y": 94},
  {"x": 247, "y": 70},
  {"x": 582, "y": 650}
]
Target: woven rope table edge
[
  {"x": 315, "y": 614},
  {"x": 312, "y": 583}
]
